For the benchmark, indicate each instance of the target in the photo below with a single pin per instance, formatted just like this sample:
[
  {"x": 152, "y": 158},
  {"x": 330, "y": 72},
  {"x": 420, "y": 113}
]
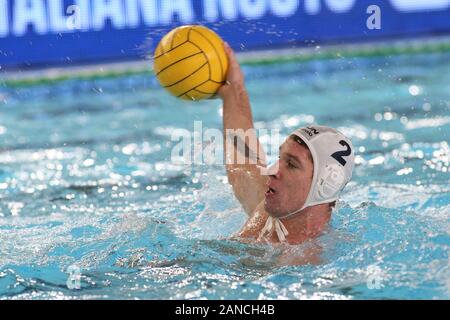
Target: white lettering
[
  {"x": 4, "y": 20},
  {"x": 270, "y": 309},
  {"x": 313, "y": 6},
  {"x": 284, "y": 8},
  {"x": 73, "y": 21},
  {"x": 228, "y": 8},
  {"x": 420, "y": 5},
  {"x": 57, "y": 20},
  {"x": 83, "y": 14},
  {"x": 74, "y": 280},
  {"x": 236, "y": 140},
  {"x": 42, "y": 16},
  {"x": 148, "y": 9},
  {"x": 181, "y": 153},
  {"x": 182, "y": 8},
  {"x": 374, "y": 21},
  {"x": 340, "y": 6},
  {"x": 107, "y": 9},
  {"x": 198, "y": 142},
  {"x": 253, "y": 9},
  {"x": 186, "y": 310},
  {"x": 213, "y": 152},
  {"x": 29, "y": 12}
]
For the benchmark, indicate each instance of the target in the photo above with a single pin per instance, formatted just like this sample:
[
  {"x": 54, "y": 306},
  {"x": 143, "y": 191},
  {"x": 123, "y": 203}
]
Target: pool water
[{"x": 87, "y": 182}]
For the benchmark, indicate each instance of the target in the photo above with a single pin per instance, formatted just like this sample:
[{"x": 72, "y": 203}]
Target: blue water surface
[{"x": 86, "y": 180}]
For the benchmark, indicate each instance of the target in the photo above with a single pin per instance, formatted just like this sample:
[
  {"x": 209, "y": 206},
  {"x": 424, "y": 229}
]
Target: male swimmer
[{"x": 292, "y": 200}]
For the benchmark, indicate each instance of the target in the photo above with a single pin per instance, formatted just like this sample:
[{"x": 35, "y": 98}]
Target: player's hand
[{"x": 235, "y": 77}]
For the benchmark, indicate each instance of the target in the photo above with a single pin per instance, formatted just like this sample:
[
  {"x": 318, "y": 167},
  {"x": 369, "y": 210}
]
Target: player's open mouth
[{"x": 270, "y": 191}]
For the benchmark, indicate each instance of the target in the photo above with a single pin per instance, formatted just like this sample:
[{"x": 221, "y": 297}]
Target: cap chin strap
[
  {"x": 275, "y": 222},
  {"x": 280, "y": 229},
  {"x": 324, "y": 194}
]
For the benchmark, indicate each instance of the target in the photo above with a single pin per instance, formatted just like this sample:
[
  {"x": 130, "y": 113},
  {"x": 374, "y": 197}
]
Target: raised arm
[{"x": 243, "y": 152}]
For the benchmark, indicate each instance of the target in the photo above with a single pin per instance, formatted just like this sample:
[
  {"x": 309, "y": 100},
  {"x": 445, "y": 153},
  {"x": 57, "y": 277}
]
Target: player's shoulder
[{"x": 255, "y": 222}]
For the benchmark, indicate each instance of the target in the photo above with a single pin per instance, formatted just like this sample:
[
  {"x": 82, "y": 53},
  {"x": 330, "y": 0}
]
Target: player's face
[{"x": 289, "y": 184}]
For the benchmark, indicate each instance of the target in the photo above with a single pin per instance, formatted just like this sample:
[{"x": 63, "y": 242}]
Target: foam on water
[{"x": 86, "y": 180}]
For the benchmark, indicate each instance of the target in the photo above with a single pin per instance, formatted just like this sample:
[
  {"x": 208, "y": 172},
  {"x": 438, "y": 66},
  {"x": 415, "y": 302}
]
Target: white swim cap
[{"x": 333, "y": 159}]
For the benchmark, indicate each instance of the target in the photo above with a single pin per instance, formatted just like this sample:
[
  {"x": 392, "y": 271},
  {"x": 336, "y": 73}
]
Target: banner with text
[{"x": 36, "y": 33}]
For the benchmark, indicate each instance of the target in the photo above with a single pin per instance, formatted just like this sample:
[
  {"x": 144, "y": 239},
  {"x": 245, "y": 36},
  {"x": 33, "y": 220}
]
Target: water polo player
[{"x": 292, "y": 200}]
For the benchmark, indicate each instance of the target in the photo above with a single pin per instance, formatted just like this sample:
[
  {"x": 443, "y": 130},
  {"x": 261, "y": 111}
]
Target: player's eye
[{"x": 291, "y": 165}]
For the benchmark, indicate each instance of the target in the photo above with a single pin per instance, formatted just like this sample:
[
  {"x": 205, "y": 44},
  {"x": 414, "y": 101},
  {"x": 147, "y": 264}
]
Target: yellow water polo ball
[{"x": 190, "y": 62}]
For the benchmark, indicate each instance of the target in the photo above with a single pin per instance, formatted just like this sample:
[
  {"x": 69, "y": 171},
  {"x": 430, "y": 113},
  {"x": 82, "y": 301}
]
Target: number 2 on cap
[{"x": 339, "y": 155}]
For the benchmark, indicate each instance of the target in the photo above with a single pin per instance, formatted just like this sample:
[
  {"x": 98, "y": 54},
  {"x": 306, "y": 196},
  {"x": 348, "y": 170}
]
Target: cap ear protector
[
  {"x": 331, "y": 182},
  {"x": 333, "y": 159}
]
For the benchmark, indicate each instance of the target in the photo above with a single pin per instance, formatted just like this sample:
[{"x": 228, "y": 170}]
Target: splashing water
[{"x": 86, "y": 180}]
